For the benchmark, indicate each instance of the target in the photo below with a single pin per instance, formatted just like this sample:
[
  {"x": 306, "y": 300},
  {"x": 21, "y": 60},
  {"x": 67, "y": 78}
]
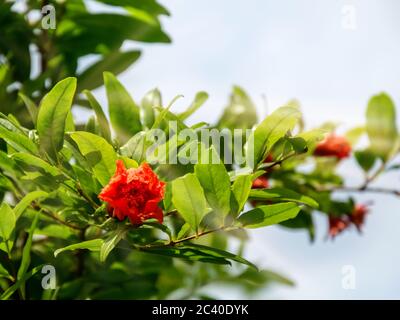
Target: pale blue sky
[{"x": 292, "y": 49}]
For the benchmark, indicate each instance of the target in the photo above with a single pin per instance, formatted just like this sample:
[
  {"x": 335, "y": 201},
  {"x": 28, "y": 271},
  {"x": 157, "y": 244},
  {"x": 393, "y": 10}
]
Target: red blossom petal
[
  {"x": 134, "y": 193},
  {"x": 333, "y": 146},
  {"x": 260, "y": 183}
]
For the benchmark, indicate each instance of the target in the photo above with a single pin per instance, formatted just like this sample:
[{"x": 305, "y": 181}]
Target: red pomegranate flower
[
  {"x": 333, "y": 146},
  {"x": 134, "y": 193},
  {"x": 260, "y": 183},
  {"x": 337, "y": 225},
  {"x": 357, "y": 217}
]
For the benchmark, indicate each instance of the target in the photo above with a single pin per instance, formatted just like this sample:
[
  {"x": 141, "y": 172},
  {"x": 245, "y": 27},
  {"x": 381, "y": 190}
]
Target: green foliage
[
  {"x": 92, "y": 245},
  {"x": 51, "y": 177},
  {"x": 263, "y": 216},
  {"x": 188, "y": 197},
  {"x": 98, "y": 153},
  {"x": 124, "y": 113},
  {"x": 381, "y": 126},
  {"x": 240, "y": 112},
  {"x": 269, "y": 131},
  {"x": 52, "y": 116},
  {"x": 215, "y": 182},
  {"x": 282, "y": 194},
  {"x": 79, "y": 34},
  {"x": 7, "y": 226},
  {"x": 240, "y": 193}
]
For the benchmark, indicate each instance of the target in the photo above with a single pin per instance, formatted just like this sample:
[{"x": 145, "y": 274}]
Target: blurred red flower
[
  {"x": 337, "y": 225},
  {"x": 333, "y": 146},
  {"x": 357, "y": 217},
  {"x": 134, "y": 193},
  {"x": 260, "y": 183}
]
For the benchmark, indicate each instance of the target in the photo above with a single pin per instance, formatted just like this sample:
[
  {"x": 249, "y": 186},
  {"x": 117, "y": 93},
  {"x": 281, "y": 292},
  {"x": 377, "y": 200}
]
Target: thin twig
[
  {"x": 279, "y": 161},
  {"x": 51, "y": 215},
  {"x": 370, "y": 179},
  {"x": 364, "y": 189},
  {"x": 86, "y": 197},
  {"x": 195, "y": 236}
]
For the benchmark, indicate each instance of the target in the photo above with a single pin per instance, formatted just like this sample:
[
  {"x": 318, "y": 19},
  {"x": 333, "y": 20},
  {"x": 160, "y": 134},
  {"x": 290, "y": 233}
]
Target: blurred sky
[{"x": 332, "y": 55}]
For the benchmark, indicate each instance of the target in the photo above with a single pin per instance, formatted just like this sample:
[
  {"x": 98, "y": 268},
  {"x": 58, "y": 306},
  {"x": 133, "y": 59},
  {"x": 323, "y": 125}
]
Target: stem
[
  {"x": 195, "y": 236},
  {"x": 51, "y": 215},
  {"x": 278, "y": 162},
  {"x": 80, "y": 255},
  {"x": 364, "y": 189},
  {"x": 171, "y": 213},
  {"x": 86, "y": 197},
  {"x": 368, "y": 180}
]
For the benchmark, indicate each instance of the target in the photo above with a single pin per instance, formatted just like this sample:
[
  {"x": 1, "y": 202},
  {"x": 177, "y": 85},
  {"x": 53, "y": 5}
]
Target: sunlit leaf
[
  {"x": 53, "y": 112},
  {"x": 92, "y": 245},
  {"x": 188, "y": 198},
  {"x": 263, "y": 216},
  {"x": 100, "y": 155}
]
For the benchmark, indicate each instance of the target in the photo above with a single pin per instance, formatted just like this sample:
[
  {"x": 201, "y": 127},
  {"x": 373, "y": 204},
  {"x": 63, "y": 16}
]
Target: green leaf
[
  {"x": 7, "y": 225},
  {"x": 6, "y": 163},
  {"x": 69, "y": 123},
  {"x": 31, "y": 106},
  {"x": 114, "y": 62},
  {"x": 354, "y": 135},
  {"x": 240, "y": 192},
  {"x": 101, "y": 117},
  {"x": 381, "y": 125},
  {"x": 240, "y": 113},
  {"x": 200, "y": 98},
  {"x": 124, "y": 113},
  {"x": 27, "y": 200},
  {"x": 188, "y": 198},
  {"x": 216, "y": 184},
  {"x": 32, "y": 163},
  {"x": 57, "y": 231},
  {"x": 221, "y": 253},
  {"x": 268, "y": 132},
  {"x": 263, "y": 277},
  {"x": 183, "y": 231},
  {"x": 188, "y": 254},
  {"x": 92, "y": 245},
  {"x": 26, "y": 252},
  {"x": 53, "y": 112},
  {"x": 136, "y": 147},
  {"x": 5, "y": 274},
  {"x": 151, "y": 100},
  {"x": 312, "y": 136},
  {"x": 366, "y": 159},
  {"x": 195, "y": 252},
  {"x": 129, "y": 163},
  {"x": 100, "y": 155},
  {"x": 9, "y": 292},
  {"x": 282, "y": 194},
  {"x": 18, "y": 141},
  {"x": 298, "y": 144},
  {"x": 110, "y": 243},
  {"x": 303, "y": 220},
  {"x": 151, "y": 7},
  {"x": 162, "y": 227},
  {"x": 268, "y": 215},
  {"x": 165, "y": 115}
]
